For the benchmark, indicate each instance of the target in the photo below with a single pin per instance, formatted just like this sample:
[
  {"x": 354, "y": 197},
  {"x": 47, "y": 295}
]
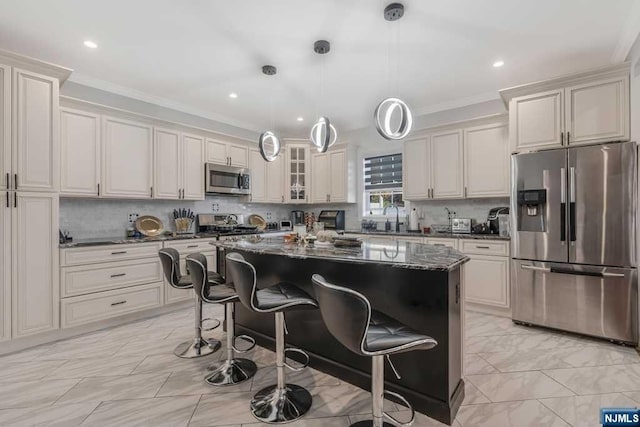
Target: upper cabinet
[
  {"x": 127, "y": 158},
  {"x": 5, "y": 127},
  {"x": 471, "y": 161},
  {"x": 486, "y": 161},
  {"x": 333, "y": 176},
  {"x": 80, "y": 153},
  {"x": 297, "y": 173},
  {"x": 35, "y": 150},
  {"x": 225, "y": 153},
  {"x": 258, "y": 168},
  {"x": 275, "y": 180},
  {"x": 192, "y": 153},
  {"x": 584, "y": 108},
  {"x": 178, "y": 165}
]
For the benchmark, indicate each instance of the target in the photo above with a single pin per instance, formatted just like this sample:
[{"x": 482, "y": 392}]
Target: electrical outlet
[
  {"x": 268, "y": 215},
  {"x": 133, "y": 217},
  {"x": 215, "y": 207}
]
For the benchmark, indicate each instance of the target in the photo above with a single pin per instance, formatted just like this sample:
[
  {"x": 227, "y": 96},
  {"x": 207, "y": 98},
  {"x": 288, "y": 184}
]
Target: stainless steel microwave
[{"x": 227, "y": 180}]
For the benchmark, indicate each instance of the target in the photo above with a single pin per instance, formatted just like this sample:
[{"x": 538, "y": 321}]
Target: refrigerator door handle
[
  {"x": 601, "y": 274},
  {"x": 572, "y": 204},
  {"x": 533, "y": 267},
  {"x": 563, "y": 205}
]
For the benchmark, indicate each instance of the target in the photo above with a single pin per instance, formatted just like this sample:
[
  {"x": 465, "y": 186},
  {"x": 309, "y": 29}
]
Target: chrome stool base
[
  {"x": 231, "y": 372},
  {"x": 275, "y": 406},
  {"x": 369, "y": 423},
  {"x": 196, "y": 348}
]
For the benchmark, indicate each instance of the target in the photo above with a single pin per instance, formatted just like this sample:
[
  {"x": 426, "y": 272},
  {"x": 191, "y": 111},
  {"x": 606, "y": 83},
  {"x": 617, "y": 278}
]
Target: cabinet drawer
[
  {"x": 91, "y": 255},
  {"x": 484, "y": 247},
  {"x": 191, "y": 246},
  {"x": 107, "y": 276},
  {"x": 104, "y": 305},
  {"x": 450, "y": 243}
]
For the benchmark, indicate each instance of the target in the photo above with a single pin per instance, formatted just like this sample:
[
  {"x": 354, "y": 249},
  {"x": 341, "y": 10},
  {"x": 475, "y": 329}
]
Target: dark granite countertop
[
  {"x": 399, "y": 253},
  {"x": 431, "y": 235}
]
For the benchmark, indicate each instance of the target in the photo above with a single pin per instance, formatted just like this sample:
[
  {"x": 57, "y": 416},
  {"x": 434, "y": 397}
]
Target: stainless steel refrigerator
[{"x": 573, "y": 261}]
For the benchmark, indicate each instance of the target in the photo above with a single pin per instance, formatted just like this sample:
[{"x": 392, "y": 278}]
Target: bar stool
[
  {"x": 350, "y": 319},
  {"x": 232, "y": 370},
  {"x": 198, "y": 347},
  {"x": 281, "y": 402}
]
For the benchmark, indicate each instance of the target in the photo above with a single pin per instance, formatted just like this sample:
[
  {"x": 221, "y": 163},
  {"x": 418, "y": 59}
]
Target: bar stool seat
[
  {"x": 282, "y": 296},
  {"x": 349, "y": 317}
]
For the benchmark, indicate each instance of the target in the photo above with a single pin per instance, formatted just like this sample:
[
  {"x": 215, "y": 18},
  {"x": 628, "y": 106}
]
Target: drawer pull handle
[
  {"x": 192, "y": 246},
  {"x": 118, "y": 275},
  {"x": 118, "y": 303},
  {"x": 438, "y": 244},
  {"x": 118, "y": 252},
  {"x": 483, "y": 247}
]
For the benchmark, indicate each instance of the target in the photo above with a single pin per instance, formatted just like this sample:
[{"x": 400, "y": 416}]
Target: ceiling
[{"x": 190, "y": 55}]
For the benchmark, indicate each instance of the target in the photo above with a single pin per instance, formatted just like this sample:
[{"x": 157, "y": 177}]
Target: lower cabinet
[{"x": 487, "y": 280}]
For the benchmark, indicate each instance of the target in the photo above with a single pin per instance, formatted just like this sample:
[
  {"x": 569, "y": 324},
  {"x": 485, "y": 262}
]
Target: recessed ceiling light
[
  {"x": 300, "y": 119},
  {"x": 90, "y": 44},
  {"x": 498, "y": 64},
  {"x": 233, "y": 95}
]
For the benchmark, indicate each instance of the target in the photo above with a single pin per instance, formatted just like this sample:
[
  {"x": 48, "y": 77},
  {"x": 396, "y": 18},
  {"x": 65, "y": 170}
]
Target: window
[{"x": 383, "y": 185}]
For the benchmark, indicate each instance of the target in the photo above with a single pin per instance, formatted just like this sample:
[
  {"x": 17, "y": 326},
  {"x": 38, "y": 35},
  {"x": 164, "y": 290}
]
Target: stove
[{"x": 217, "y": 225}]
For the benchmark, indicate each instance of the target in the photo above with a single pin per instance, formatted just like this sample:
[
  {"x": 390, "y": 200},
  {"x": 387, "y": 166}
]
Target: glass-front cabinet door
[{"x": 297, "y": 179}]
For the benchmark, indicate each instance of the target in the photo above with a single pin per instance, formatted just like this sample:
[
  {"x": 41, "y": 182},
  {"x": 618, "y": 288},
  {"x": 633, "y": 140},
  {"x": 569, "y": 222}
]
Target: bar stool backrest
[
  {"x": 243, "y": 276},
  {"x": 345, "y": 312},
  {"x": 197, "y": 265},
  {"x": 170, "y": 260}
]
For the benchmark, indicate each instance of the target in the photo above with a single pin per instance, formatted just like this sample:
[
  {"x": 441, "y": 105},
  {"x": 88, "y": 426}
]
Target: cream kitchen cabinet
[
  {"x": 447, "y": 165},
  {"x": 5, "y": 266},
  {"x": 178, "y": 165},
  {"x": 5, "y": 127},
  {"x": 258, "y": 168},
  {"x": 275, "y": 181},
  {"x": 126, "y": 159},
  {"x": 585, "y": 108},
  {"x": 486, "y": 161},
  {"x": 416, "y": 169},
  {"x": 486, "y": 276},
  {"x": 34, "y": 263},
  {"x": 80, "y": 153},
  {"x": 228, "y": 154},
  {"x": 437, "y": 241},
  {"x": 333, "y": 176},
  {"x": 297, "y": 173}
]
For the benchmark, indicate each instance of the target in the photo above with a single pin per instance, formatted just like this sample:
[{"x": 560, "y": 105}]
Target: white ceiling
[{"x": 191, "y": 54}]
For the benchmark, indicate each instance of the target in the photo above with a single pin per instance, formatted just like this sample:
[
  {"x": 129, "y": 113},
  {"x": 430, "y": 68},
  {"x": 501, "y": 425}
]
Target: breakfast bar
[{"x": 415, "y": 283}]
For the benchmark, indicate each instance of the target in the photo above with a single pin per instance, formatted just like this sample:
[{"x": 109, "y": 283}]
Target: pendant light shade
[
  {"x": 323, "y": 134},
  {"x": 269, "y": 145},
  {"x": 393, "y": 119}
]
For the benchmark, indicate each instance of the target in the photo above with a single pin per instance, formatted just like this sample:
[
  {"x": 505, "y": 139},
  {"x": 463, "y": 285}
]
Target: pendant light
[
  {"x": 323, "y": 133},
  {"x": 393, "y": 109},
  {"x": 269, "y": 143}
]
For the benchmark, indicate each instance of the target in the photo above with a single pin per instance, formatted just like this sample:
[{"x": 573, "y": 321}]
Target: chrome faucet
[{"x": 384, "y": 212}]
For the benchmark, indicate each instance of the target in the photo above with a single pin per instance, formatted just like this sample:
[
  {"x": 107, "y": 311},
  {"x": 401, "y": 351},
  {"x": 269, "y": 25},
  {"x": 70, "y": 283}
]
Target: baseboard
[{"x": 486, "y": 309}]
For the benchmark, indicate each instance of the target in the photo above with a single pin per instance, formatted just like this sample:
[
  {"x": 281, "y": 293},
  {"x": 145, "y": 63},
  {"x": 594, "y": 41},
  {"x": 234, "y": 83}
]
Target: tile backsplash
[{"x": 433, "y": 211}]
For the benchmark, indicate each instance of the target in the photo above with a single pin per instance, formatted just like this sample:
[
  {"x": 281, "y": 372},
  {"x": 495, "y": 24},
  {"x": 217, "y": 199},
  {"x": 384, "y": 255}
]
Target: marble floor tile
[
  {"x": 475, "y": 364},
  {"x": 99, "y": 367},
  {"x": 306, "y": 378},
  {"x": 421, "y": 420},
  {"x": 526, "y": 360},
  {"x": 24, "y": 355},
  {"x": 146, "y": 346},
  {"x": 98, "y": 389},
  {"x": 518, "y": 386},
  {"x": 167, "y": 363},
  {"x": 526, "y": 342},
  {"x": 160, "y": 411},
  {"x": 607, "y": 354},
  {"x": 526, "y": 413},
  {"x": 311, "y": 422},
  {"x": 223, "y": 409},
  {"x": 584, "y": 411},
  {"x": 68, "y": 415},
  {"x": 634, "y": 395},
  {"x": 33, "y": 393},
  {"x": 65, "y": 350},
  {"x": 28, "y": 371},
  {"x": 185, "y": 383},
  {"x": 344, "y": 399},
  {"x": 473, "y": 396},
  {"x": 597, "y": 379}
]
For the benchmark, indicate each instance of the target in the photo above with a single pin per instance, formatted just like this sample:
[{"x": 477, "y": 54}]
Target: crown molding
[{"x": 36, "y": 65}]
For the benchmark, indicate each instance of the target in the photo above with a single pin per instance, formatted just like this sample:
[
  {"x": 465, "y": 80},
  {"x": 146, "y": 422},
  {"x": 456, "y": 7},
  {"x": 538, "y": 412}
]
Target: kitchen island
[{"x": 417, "y": 284}]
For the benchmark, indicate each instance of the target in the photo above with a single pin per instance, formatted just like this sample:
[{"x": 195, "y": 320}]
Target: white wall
[{"x": 634, "y": 57}]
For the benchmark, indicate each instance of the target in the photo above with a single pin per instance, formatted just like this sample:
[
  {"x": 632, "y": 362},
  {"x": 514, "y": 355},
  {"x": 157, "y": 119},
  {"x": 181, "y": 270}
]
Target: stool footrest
[
  {"x": 407, "y": 404},
  {"x": 246, "y": 338},
  {"x": 213, "y": 327},
  {"x": 296, "y": 350}
]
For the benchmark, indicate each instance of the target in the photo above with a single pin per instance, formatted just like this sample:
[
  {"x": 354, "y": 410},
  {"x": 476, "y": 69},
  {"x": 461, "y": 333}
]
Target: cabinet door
[
  {"x": 416, "y": 173},
  {"x": 127, "y": 159},
  {"x": 192, "y": 167},
  {"x": 35, "y": 292},
  {"x": 275, "y": 178},
  {"x": 238, "y": 155},
  {"x": 80, "y": 152},
  {"x": 35, "y": 131},
  {"x": 486, "y": 161},
  {"x": 258, "y": 177},
  {"x": 338, "y": 176},
  {"x": 597, "y": 112},
  {"x": 297, "y": 174},
  {"x": 167, "y": 164},
  {"x": 320, "y": 178},
  {"x": 536, "y": 121},
  {"x": 486, "y": 280},
  {"x": 5, "y": 265},
  {"x": 217, "y": 152},
  {"x": 5, "y": 126},
  {"x": 446, "y": 165}
]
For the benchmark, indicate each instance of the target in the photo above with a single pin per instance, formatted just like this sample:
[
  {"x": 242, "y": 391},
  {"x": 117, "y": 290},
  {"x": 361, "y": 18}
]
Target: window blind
[{"x": 383, "y": 172}]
